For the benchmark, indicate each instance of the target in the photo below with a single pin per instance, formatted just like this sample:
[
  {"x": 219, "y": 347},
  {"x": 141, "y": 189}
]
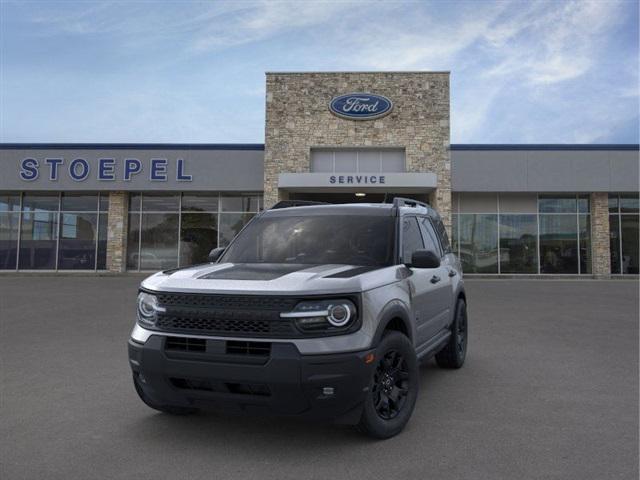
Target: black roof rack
[
  {"x": 408, "y": 202},
  {"x": 296, "y": 203}
]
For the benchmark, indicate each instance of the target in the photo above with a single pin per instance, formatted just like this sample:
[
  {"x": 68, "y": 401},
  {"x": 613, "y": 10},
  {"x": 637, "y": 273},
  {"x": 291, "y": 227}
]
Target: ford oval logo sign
[{"x": 360, "y": 106}]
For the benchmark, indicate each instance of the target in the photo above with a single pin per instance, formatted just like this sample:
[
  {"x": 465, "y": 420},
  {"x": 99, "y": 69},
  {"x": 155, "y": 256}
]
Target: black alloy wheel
[{"x": 390, "y": 385}]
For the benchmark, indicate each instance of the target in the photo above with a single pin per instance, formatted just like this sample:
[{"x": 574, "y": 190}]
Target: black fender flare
[{"x": 394, "y": 309}]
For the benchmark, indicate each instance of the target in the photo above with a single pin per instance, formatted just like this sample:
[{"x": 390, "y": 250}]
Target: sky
[{"x": 193, "y": 72}]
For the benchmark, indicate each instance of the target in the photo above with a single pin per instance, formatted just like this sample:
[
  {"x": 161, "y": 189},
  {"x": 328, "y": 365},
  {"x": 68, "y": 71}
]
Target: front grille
[
  {"x": 262, "y": 349},
  {"x": 222, "y": 315},
  {"x": 257, "y": 389},
  {"x": 185, "y": 344}
]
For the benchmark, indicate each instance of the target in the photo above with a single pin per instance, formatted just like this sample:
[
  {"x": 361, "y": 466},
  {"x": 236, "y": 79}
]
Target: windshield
[{"x": 316, "y": 239}]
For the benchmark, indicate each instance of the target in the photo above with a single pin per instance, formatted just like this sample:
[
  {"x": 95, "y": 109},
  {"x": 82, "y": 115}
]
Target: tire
[
  {"x": 393, "y": 388},
  {"x": 171, "y": 410},
  {"x": 455, "y": 351}
]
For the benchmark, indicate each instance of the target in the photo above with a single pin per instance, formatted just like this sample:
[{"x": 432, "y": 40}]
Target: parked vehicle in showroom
[{"x": 319, "y": 311}]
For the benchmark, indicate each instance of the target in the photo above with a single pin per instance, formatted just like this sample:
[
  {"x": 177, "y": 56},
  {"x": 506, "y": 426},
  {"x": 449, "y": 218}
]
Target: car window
[
  {"x": 442, "y": 234},
  {"x": 430, "y": 237},
  {"x": 411, "y": 238}
]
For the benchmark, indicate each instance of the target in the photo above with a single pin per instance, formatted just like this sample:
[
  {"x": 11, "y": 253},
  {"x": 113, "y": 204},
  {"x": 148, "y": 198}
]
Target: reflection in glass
[
  {"x": 630, "y": 246},
  {"x": 614, "y": 242},
  {"x": 557, "y": 204},
  {"x": 200, "y": 202},
  {"x": 231, "y": 224},
  {"x": 40, "y": 201},
  {"x": 454, "y": 234},
  {"x": 583, "y": 204},
  {"x": 8, "y": 240},
  {"x": 9, "y": 202},
  {"x": 77, "y": 248},
  {"x": 478, "y": 240},
  {"x": 558, "y": 244},
  {"x": 104, "y": 202},
  {"x": 102, "y": 242},
  {"x": 629, "y": 203},
  {"x": 160, "y": 202},
  {"x": 79, "y": 202},
  {"x": 613, "y": 203},
  {"x": 133, "y": 242},
  {"x": 239, "y": 203},
  {"x": 198, "y": 236},
  {"x": 518, "y": 244},
  {"x": 38, "y": 240},
  {"x": 159, "y": 241},
  {"x": 585, "y": 243}
]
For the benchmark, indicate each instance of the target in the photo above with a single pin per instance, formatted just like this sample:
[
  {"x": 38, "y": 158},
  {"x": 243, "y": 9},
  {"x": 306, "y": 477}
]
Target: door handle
[
  {"x": 452, "y": 273},
  {"x": 435, "y": 279}
]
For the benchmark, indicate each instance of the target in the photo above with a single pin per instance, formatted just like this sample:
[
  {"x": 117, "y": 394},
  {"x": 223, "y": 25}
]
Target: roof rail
[
  {"x": 408, "y": 202},
  {"x": 296, "y": 203}
]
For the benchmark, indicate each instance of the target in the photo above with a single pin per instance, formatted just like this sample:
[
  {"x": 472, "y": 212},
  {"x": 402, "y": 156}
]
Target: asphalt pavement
[{"x": 549, "y": 391}]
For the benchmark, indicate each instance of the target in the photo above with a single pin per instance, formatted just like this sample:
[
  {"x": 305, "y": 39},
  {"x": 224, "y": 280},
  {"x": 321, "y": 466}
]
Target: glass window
[
  {"x": 104, "y": 202},
  {"x": 103, "y": 229},
  {"x": 629, "y": 203},
  {"x": 198, "y": 236},
  {"x": 40, "y": 201},
  {"x": 442, "y": 233},
  {"x": 362, "y": 240},
  {"x": 9, "y": 222},
  {"x": 200, "y": 202},
  {"x": 585, "y": 243},
  {"x": 133, "y": 242},
  {"x": 411, "y": 238},
  {"x": 9, "y": 202},
  {"x": 79, "y": 202},
  {"x": 518, "y": 244},
  {"x": 239, "y": 203},
  {"x": 159, "y": 241},
  {"x": 38, "y": 238},
  {"x": 613, "y": 203},
  {"x": 630, "y": 246},
  {"x": 558, "y": 244},
  {"x": 230, "y": 226},
  {"x": 135, "y": 202},
  {"x": 368, "y": 161},
  {"x": 614, "y": 242},
  {"x": 77, "y": 248},
  {"x": 557, "y": 204},
  {"x": 429, "y": 237},
  {"x": 159, "y": 202},
  {"x": 478, "y": 241},
  {"x": 583, "y": 203}
]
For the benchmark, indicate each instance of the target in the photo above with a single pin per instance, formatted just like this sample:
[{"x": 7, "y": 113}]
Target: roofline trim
[
  {"x": 544, "y": 146},
  {"x": 132, "y": 146},
  {"x": 260, "y": 146}
]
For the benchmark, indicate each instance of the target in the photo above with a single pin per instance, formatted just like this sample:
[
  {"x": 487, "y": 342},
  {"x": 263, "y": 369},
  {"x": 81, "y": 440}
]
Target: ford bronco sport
[{"x": 319, "y": 311}]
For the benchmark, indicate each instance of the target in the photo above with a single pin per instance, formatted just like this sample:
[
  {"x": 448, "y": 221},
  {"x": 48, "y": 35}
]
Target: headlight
[
  {"x": 323, "y": 315},
  {"x": 147, "y": 309}
]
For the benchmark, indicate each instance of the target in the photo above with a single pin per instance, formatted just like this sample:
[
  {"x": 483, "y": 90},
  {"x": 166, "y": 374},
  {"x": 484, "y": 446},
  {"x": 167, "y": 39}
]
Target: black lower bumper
[{"x": 282, "y": 382}]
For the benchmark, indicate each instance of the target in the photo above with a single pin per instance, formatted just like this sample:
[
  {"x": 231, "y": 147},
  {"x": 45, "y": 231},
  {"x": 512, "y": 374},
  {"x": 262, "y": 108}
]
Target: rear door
[{"x": 442, "y": 294}]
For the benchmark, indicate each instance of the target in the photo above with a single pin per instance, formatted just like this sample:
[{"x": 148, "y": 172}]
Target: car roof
[{"x": 370, "y": 209}]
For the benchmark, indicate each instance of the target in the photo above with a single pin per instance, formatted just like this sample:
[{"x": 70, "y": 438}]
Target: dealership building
[{"x": 334, "y": 137}]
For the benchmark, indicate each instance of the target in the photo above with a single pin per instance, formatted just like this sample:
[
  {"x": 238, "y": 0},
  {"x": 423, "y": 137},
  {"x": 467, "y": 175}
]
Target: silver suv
[{"x": 320, "y": 311}]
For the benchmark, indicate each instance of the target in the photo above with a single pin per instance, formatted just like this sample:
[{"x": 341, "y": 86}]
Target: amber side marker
[{"x": 369, "y": 358}]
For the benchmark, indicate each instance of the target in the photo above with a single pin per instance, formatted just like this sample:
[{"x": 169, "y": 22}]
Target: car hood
[{"x": 284, "y": 279}]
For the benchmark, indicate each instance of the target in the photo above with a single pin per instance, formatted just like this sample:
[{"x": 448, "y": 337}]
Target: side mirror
[
  {"x": 424, "y": 259},
  {"x": 215, "y": 254}
]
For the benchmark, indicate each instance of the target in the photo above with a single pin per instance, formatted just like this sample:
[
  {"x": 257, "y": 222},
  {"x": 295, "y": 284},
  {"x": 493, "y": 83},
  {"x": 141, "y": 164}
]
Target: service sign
[{"x": 360, "y": 106}]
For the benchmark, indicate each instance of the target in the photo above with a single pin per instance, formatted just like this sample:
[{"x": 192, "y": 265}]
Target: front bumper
[{"x": 282, "y": 382}]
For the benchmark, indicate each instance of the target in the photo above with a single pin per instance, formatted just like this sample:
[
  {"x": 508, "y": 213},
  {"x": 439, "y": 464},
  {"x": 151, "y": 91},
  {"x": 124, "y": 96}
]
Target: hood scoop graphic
[{"x": 254, "y": 271}]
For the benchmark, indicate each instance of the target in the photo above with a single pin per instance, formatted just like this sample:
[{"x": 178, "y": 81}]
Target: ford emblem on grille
[{"x": 360, "y": 106}]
